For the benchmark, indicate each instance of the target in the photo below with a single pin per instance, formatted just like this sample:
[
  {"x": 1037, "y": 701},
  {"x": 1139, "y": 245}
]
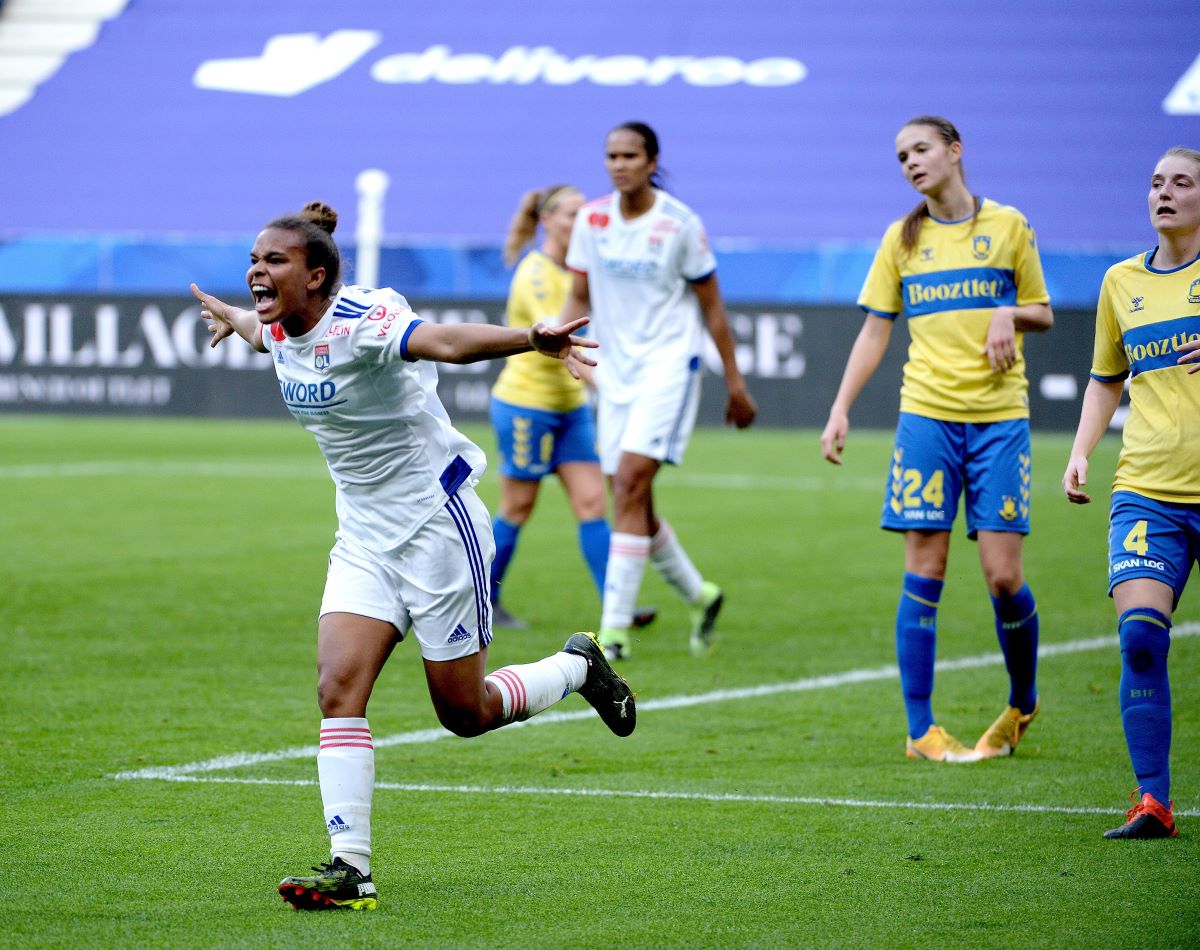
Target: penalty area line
[
  {"x": 421, "y": 736},
  {"x": 707, "y": 797}
]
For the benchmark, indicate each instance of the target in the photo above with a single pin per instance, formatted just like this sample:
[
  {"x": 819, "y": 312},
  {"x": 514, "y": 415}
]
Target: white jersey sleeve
[
  {"x": 697, "y": 261},
  {"x": 580, "y": 249}
]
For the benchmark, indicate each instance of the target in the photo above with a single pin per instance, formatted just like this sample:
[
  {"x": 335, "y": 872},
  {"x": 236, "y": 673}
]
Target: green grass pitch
[{"x": 158, "y": 610}]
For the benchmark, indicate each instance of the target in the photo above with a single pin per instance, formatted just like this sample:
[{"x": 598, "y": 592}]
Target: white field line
[
  {"x": 420, "y": 736},
  {"x": 713, "y": 797}
]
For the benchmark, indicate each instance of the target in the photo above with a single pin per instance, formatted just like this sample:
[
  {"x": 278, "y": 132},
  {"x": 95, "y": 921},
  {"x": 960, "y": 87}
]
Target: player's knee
[
  {"x": 1006, "y": 581},
  {"x": 631, "y": 489},
  {"x": 1145, "y": 638},
  {"x": 335, "y": 697},
  {"x": 589, "y": 505},
  {"x": 465, "y": 722}
]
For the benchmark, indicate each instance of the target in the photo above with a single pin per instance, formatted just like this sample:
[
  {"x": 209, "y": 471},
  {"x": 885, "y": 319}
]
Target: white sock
[
  {"x": 672, "y": 563},
  {"x": 627, "y": 556},
  {"x": 531, "y": 687},
  {"x": 346, "y": 769}
]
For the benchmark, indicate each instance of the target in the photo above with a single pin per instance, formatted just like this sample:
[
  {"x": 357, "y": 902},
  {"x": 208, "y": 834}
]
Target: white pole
[{"x": 371, "y": 185}]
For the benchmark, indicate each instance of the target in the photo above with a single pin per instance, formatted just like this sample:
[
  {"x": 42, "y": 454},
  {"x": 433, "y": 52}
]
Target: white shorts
[
  {"x": 437, "y": 583},
  {"x": 657, "y": 423}
]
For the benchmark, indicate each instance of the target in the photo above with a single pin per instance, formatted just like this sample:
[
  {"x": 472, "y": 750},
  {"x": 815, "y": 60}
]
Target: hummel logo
[{"x": 620, "y": 704}]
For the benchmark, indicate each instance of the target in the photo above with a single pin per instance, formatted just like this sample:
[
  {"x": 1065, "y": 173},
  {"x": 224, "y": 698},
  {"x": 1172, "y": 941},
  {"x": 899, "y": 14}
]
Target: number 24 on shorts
[{"x": 933, "y": 493}]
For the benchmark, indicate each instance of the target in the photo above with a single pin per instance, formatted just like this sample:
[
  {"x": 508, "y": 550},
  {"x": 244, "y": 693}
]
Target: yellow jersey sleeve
[
  {"x": 881, "y": 290},
  {"x": 1027, "y": 265},
  {"x": 1109, "y": 364},
  {"x": 538, "y": 291}
]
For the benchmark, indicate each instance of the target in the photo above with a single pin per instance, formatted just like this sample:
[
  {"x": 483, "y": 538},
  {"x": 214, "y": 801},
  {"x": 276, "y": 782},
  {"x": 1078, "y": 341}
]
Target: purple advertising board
[{"x": 776, "y": 118}]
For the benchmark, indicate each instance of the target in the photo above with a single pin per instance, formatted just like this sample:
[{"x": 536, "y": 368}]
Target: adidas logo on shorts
[{"x": 459, "y": 635}]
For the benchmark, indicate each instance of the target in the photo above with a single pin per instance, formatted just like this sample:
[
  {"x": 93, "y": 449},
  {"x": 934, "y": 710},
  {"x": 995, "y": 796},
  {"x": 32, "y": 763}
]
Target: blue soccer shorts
[
  {"x": 936, "y": 462},
  {"x": 533, "y": 442},
  {"x": 1155, "y": 539}
]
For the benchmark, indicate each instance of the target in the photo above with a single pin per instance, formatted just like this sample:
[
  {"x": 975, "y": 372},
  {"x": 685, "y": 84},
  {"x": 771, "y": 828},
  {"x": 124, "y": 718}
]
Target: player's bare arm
[
  {"x": 1100, "y": 401},
  {"x": 741, "y": 408},
  {"x": 470, "y": 343},
  {"x": 864, "y": 359},
  {"x": 1001, "y": 347},
  {"x": 225, "y": 320}
]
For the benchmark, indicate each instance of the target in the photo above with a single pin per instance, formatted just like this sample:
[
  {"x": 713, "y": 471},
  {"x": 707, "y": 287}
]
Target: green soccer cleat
[
  {"x": 607, "y": 692},
  {"x": 1147, "y": 819},
  {"x": 335, "y": 886},
  {"x": 615, "y": 643},
  {"x": 704, "y": 618}
]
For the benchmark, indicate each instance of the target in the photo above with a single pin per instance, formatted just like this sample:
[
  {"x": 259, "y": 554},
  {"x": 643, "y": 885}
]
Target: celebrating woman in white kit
[{"x": 414, "y": 543}]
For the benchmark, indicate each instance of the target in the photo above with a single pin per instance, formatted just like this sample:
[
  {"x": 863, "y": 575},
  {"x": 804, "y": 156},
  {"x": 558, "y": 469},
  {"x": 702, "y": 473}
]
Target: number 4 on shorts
[{"x": 1136, "y": 541}]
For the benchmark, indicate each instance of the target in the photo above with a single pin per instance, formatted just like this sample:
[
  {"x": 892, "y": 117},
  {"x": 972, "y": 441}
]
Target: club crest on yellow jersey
[
  {"x": 981, "y": 247},
  {"x": 1194, "y": 291}
]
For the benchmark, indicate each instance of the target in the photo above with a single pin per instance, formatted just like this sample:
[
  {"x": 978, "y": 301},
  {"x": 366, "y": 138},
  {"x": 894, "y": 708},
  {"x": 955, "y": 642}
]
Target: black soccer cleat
[
  {"x": 1147, "y": 819},
  {"x": 607, "y": 692},
  {"x": 335, "y": 886}
]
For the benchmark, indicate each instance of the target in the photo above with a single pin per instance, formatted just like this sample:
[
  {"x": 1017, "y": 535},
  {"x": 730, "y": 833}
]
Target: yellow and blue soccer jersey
[
  {"x": 539, "y": 290},
  {"x": 947, "y": 287},
  {"x": 1142, "y": 317}
]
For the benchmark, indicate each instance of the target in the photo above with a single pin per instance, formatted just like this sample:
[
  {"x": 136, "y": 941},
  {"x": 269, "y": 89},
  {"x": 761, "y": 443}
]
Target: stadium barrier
[{"x": 148, "y": 355}]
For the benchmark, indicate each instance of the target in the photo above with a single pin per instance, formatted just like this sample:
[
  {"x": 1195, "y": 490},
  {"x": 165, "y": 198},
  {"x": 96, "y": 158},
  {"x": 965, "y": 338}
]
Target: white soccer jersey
[
  {"x": 393, "y": 454},
  {"x": 645, "y": 313}
]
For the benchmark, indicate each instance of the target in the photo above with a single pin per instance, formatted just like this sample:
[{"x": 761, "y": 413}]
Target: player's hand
[
  {"x": 559, "y": 341},
  {"x": 741, "y": 409},
  {"x": 1191, "y": 354},
  {"x": 833, "y": 439},
  {"x": 1001, "y": 348},
  {"x": 1073, "y": 480},
  {"x": 217, "y": 312}
]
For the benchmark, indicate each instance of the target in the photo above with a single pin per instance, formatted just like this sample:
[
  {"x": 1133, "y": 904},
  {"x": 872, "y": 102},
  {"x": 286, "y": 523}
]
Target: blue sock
[
  {"x": 1017, "y": 630},
  {"x": 505, "y": 533},
  {"x": 593, "y": 542},
  {"x": 916, "y": 644},
  {"x": 1146, "y": 698}
]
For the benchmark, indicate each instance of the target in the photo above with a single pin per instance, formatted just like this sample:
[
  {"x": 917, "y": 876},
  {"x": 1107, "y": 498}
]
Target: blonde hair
[
  {"x": 524, "y": 224},
  {"x": 1180, "y": 151}
]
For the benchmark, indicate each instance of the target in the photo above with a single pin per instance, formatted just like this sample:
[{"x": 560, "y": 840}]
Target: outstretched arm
[
  {"x": 741, "y": 408},
  {"x": 227, "y": 320},
  {"x": 1100, "y": 401},
  {"x": 864, "y": 358},
  {"x": 472, "y": 342}
]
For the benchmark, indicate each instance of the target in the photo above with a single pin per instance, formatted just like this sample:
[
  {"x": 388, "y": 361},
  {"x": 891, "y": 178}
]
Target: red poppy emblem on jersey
[{"x": 598, "y": 219}]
